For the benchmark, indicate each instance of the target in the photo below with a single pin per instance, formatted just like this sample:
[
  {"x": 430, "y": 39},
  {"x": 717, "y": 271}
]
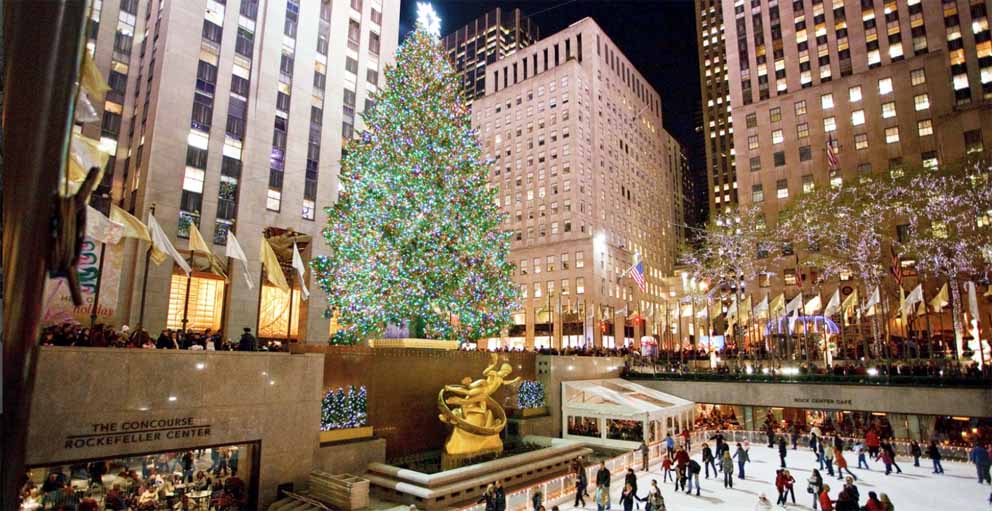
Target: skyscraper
[
  {"x": 230, "y": 116},
  {"x": 582, "y": 168},
  {"x": 887, "y": 84},
  {"x": 483, "y": 41},
  {"x": 718, "y": 127}
]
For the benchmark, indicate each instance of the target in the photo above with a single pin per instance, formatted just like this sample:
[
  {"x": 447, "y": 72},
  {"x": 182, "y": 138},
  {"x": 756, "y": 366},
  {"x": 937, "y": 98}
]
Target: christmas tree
[{"x": 415, "y": 234}]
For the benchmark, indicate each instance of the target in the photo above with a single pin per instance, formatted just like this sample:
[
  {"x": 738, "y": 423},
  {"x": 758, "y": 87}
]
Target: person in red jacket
[
  {"x": 872, "y": 442},
  {"x": 825, "y": 503},
  {"x": 681, "y": 458},
  {"x": 666, "y": 465},
  {"x": 780, "y": 486},
  {"x": 873, "y": 503}
]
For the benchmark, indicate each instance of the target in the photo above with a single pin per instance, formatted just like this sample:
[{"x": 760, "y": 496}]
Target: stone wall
[
  {"x": 552, "y": 370},
  {"x": 93, "y": 403},
  {"x": 349, "y": 457}
]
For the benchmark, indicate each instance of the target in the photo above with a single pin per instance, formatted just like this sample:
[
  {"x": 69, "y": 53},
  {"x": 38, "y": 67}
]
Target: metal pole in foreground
[{"x": 144, "y": 278}]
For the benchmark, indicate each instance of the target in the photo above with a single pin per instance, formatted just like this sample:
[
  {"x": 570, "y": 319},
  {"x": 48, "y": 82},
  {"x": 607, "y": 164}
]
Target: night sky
[{"x": 658, "y": 36}]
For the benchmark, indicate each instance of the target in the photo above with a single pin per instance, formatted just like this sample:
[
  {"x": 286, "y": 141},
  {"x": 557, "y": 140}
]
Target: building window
[
  {"x": 827, "y": 101},
  {"x": 973, "y": 142},
  {"x": 808, "y": 183},
  {"x": 755, "y": 163},
  {"x": 752, "y": 120},
  {"x": 835, "y": 179},
  {"x": 854, "y": 94},
  {"x": 921, "y": 102},
  {"x": 888, "y": 110},
  {"x": 885, "y": 86},
  {"x": 802, "y": 130},
  {"x": 929, "y": 159},
  {"x": 857, "y": 117},
  {"x": 777, "y": 137},
  {"x": 790, "y": 277},
  {"x": 752, "y": 142},
  {"x": 829, "y": 124},
  {"x": 805, "y": 153},
  {"x": 775, "y": 114},
  {"x": 861, "y": 141},
  {"x": 918, "y": 76},
  {"x": 274, "y": 200},
  {"x": 757, "y": 193},
  {"x": 800, "y": 107},
  {"x": 782, "y": 189},
  {"x": 892, "y": 135},
  {"x": 924, "y": 127},
  {"x": 580, "y": 260},
  {"x": 580, "y": 285},
  {"x": 779, "y": 157}
]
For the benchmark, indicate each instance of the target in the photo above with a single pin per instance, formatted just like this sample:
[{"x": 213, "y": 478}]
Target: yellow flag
[
  {"x": 745, "y": 311},
  {"x": 778, "y": 303},
  {"x": 133, "y": 228},
  {"x": 92, "y": 80},
  {"x": 272, "y": 269},
  {"x": 196, "y": 243},
  {"x": 851, "y": 301},
  {"x": 939, "y": 301}
]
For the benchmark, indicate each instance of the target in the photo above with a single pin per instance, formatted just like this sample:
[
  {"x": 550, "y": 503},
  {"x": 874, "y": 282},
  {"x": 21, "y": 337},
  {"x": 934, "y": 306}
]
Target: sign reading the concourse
[{"x": 108, "y": 434}]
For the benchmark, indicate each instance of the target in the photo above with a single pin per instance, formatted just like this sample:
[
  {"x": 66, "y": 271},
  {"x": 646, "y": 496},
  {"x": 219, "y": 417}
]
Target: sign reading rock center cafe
[{"x": 105, "y": 434}]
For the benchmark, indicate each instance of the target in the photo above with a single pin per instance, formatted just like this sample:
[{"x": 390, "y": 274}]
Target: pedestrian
[
  {"x": 825, "y": 503},
  {"x": 845, "y": 502},
  {"x": 247, "y": 341},
  {"x": 934, "y": 452},
  {"x": 828, "y": 459},
  {"x": 666, "y": 465},
  {"x": 763, "y": 504},
  {"x": 782, "y": 449},
  {"x": 681, "y": 458},
  {"x": 842, "y": 464},
  {"x": 670, "y": 445},
  {"x": 979, "y": 455},
  {"x": 537, "y": 500},
  {"x": 603, "y": 483},
  {"x": 727, "y": 465},
  {"x": 489, "y": 497},
  {"x": 708, "y": 460},
  {"x": 628, "y": 498},
  {"x": 693, "y": 469},
  {"x": 780, "y": 487},
  {"x": 814, "y": 485},
  {"x": 500, "y": 496},
  {"x": 645, "y": 455},
  {"x": 852, "y": 491},
  {"x": 891, "y": 451},
  {"x": 581, "y": 483},
  {"x": 862, "y": 458},
  {"x": 631, "y": 480},
  {"x": 872, "y": 442},
  {"x": 742, "y": 458},
  {"x": 790, "y": 483},
  {"x": 916, "y": 451},
  {"x": 655, "y": 501},
  {"x": 686, "y": 440},
  {"x": 819, "y": 455},
  {"x": 886, "y": 460},
  {"x": 886, "y": 503}
]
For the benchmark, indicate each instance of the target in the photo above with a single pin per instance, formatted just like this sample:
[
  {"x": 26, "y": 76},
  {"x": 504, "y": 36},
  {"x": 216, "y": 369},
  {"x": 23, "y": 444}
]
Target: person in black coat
[
  {"x": 247, "y": 341},
  {"x": 500, "y": 495},
  {"x": 603, "y": 476},
  {"x": 708, "y": 461},
  {"x": 580, "y": 485},
  {"x": 489, "y": 497},
  {"x": 782, "y": 449},
  {"x": 934, "y": 452},
  {"x": 164, "y": 341}
]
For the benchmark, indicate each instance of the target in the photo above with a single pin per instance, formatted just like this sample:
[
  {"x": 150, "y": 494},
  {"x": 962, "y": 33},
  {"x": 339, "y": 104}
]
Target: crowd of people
[
  {"x": 180, "y": 481},
  {"x": 103, "y": 336}
]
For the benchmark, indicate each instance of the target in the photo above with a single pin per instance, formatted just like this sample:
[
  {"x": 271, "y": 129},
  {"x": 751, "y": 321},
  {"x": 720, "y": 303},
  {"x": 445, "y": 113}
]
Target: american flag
[
  {"x": 637, "y": 273},
  {"x": 832, "y": 160}
]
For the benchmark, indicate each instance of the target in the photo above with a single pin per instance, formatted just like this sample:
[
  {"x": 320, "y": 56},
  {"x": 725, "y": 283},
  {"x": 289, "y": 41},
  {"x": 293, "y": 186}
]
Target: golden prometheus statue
[{"x": 476, "y": 418}]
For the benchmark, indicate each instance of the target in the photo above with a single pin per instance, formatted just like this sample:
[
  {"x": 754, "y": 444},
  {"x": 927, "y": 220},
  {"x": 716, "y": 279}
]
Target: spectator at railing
[{"x": 100, "y": 336}]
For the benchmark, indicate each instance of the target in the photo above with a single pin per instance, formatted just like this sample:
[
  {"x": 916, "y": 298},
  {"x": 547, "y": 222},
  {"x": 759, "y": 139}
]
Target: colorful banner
[{"x": 58, "y": 302}]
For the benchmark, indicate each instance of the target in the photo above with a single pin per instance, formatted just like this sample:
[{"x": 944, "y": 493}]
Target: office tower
[{"x": 718, "y": 128}]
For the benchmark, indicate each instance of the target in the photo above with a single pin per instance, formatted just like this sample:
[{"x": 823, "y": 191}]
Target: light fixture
[
  {"x": 872, "y": 371},
  {"x": 172, "y": 398},
  {"x": 200, "y": 366}
]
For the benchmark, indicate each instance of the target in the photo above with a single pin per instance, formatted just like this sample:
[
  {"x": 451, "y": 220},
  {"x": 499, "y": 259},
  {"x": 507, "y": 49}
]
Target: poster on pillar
[{"x": 58, "y": 307}]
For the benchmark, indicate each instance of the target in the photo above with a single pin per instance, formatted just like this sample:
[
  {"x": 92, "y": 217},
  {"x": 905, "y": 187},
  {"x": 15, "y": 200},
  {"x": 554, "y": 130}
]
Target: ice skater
[
  {"x": 742, "y": 458},
  {"x": 727, "y": 465},
  {"x": 708, "y": 460},
  {"x": 934, "y": 452},
  {"x": 842, "y": 464},
  {"x": 782, "y": 449},
  {"x": 862, "y": 456}
]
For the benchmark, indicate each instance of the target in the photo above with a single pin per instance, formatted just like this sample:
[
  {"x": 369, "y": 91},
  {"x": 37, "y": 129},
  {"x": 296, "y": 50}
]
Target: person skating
[
  {"x": 814, "y": 485},
  {"x": 742, "y": 458},
  {"x": 872, "y": 442},
  {"x": 693, "y": 472},
  {"x": 653, "y": 500},
  {"x": 888, "y": 448},
  {"x": 581, "y": 484},
  {"x": 603, "y": 483},
  {"x": 645, "y": 456},
  {"x": 819, "y": 455},
  {"x": 862, "y": 455},
  {"x": 681, "y": 458},
  {"x": 824, "y": 497},
  {"x": 666, "y": 466},
  {"x": 841, "y": 462},
  {"x": 602, "y": 498},
  {"x": 681, "y": 474},
  {"x": 686, "y": 440},
  {"x": 845, "y": 501},
  {"x": 934, "y": 452},
  {"x": 780, "y": 487},
  {"x": 886, "y": 503},
  {"x": 770, "y": 431},
  {"x": 886, "y": 460},
  {"x": 727, "y": 465},
  {"x": 628, "y": 497},
  {"x": 915, "y": 450},
  {"x": 708, "y": 460},
  {"x": 763, "y": 504},
  {"x": 670, "y": 445},
  {"x": 790, "y": 486},
  {"x": 828, "y": 459},
  {"x": 980, "y": 457},
  {"x": 630, "y": 479},
  {"x": 782, "y": 450},
  {"x": 795, "y": 436}
]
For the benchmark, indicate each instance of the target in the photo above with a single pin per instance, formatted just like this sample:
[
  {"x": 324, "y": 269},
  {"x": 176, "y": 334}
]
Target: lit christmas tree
[
  {"x": 415, "y": 235},
  {"x": 531, "y": 394},
  {"x": 341, "y": 409}
]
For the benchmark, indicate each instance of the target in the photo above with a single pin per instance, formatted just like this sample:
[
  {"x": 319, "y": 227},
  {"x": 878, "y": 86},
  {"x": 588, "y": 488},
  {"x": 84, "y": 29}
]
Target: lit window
[
  {"x": 580, "y": 285},
  {"x": 757, "y": 193},
  {"x": 308, "y": 209},
  {"x": 802, "y": 130},
  {"x": 854, "y": 94},
  {"x": 861, "y": 141},
  {"x": 827, "y": 101},
  {"x": 885, "y": 86},
  {"x": 775, "y": 114},
  {"x": 777, "y": 137},
  {"x": 892, "y": 135},
  {"x": 921, "y": 102},
  {"x": 782, "y": 187},
  {"x": 752, "y": 142},
  {"x": 580, "y": 260},
  {"x": 918, "y": 76},
  {"x": 924, "y": 127},
  {"x": 836, "y": 181},
  {"x": 273, "y": 200},
  {"x": 857, "y": 117},
  {"x": 829, "y": 124},
  {"x": 888, "y": 110},
  {"x": 800, "y": 107},
  {"x": 808, "y": 183}
]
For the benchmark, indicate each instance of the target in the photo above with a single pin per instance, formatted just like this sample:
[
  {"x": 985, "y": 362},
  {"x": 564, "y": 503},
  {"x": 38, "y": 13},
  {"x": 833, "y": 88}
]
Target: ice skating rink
[{"x": 916, "y": 489}]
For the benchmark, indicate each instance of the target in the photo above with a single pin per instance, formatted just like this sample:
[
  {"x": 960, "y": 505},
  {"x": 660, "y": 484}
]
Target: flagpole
[
  {"x": 926, "y": 316},
  {"x": 99, "y": 280},
  {"x": 289, "y": 321},
  {"x": 189, "y": 280},
  {"x": 144, "y": 278}
]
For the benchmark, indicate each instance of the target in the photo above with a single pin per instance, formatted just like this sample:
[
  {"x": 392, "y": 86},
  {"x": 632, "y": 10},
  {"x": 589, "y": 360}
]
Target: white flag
[
  {"x": 794, "y": 305},
  {"x": 972, "y": 300},
  {"x": 732, "y": 310},
  {"x": 915, "y": 296},
  {"x": 301, "y": 270},
  {"x": 812, "y": 306},
  {"x": 161, "y": 243},
  {"x": 101, "y": 228},
  {"x": 761, "y": 309},
  {"x": 234, "y": 251},
  {"x": 833, "y": 305},
  {"x": 873, "y": 300}
]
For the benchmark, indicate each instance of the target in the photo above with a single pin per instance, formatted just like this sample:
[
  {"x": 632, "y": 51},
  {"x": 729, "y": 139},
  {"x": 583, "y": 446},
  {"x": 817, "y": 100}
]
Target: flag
[
  {"x": 938, "y": 302},
  {"x": 778, "y": 303},
  {"x": 162, "y": 248},
  {"x": 794, "y": 305},
  {"x": 972, "y": 300},
  {"x": 716, "y": 309},
  {"x": 302, "y": 270},
  {"x": 271, "y": 264},
  {"x": 812, "y": 306},
  {"x": 833, "y": 304},
  {"x": 234, "y": 251},
  {"x": 197, "y": 244},
  {"x": 732, "y": 310},
  {"x": 850, "y": 304},
  {"x": 745, "y": 311},
  {"x": 686, "y": 311},
  {"x": 915, "y": 296},
  {"x": 91, "y": 79},
  {"x": 761, "y": 310},
  {"x": 921, "y": 310},
  {"x": 896, "y": 267},
  {"x": 901, "y": 312},
  {"x": 637, "y": 273},
  {"x": 101, "y": 228},
  {"x": 873, "y": 299},
  {"x": 133, "y": 228},
  {"x": 833, "y": 160}
]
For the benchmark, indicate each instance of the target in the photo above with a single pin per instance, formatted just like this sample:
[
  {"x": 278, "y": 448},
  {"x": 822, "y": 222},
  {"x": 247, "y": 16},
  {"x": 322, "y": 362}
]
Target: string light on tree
[{"x": 427, "y": 19}]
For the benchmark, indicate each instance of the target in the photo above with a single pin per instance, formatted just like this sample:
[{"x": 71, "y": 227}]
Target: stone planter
[
  {"x": 340, "y": 435},
  {"x": 433, "y": 344},
  {"x": 530, "y": 412}
]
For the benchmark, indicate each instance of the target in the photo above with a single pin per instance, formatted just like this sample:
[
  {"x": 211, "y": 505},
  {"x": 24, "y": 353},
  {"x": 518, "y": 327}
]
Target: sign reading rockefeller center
[{"x": 105, "y": 434}]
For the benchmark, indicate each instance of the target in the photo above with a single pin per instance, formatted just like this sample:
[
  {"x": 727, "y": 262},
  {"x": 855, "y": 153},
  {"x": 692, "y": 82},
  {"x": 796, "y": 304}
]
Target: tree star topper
[{"x": 427, "y": 17}]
